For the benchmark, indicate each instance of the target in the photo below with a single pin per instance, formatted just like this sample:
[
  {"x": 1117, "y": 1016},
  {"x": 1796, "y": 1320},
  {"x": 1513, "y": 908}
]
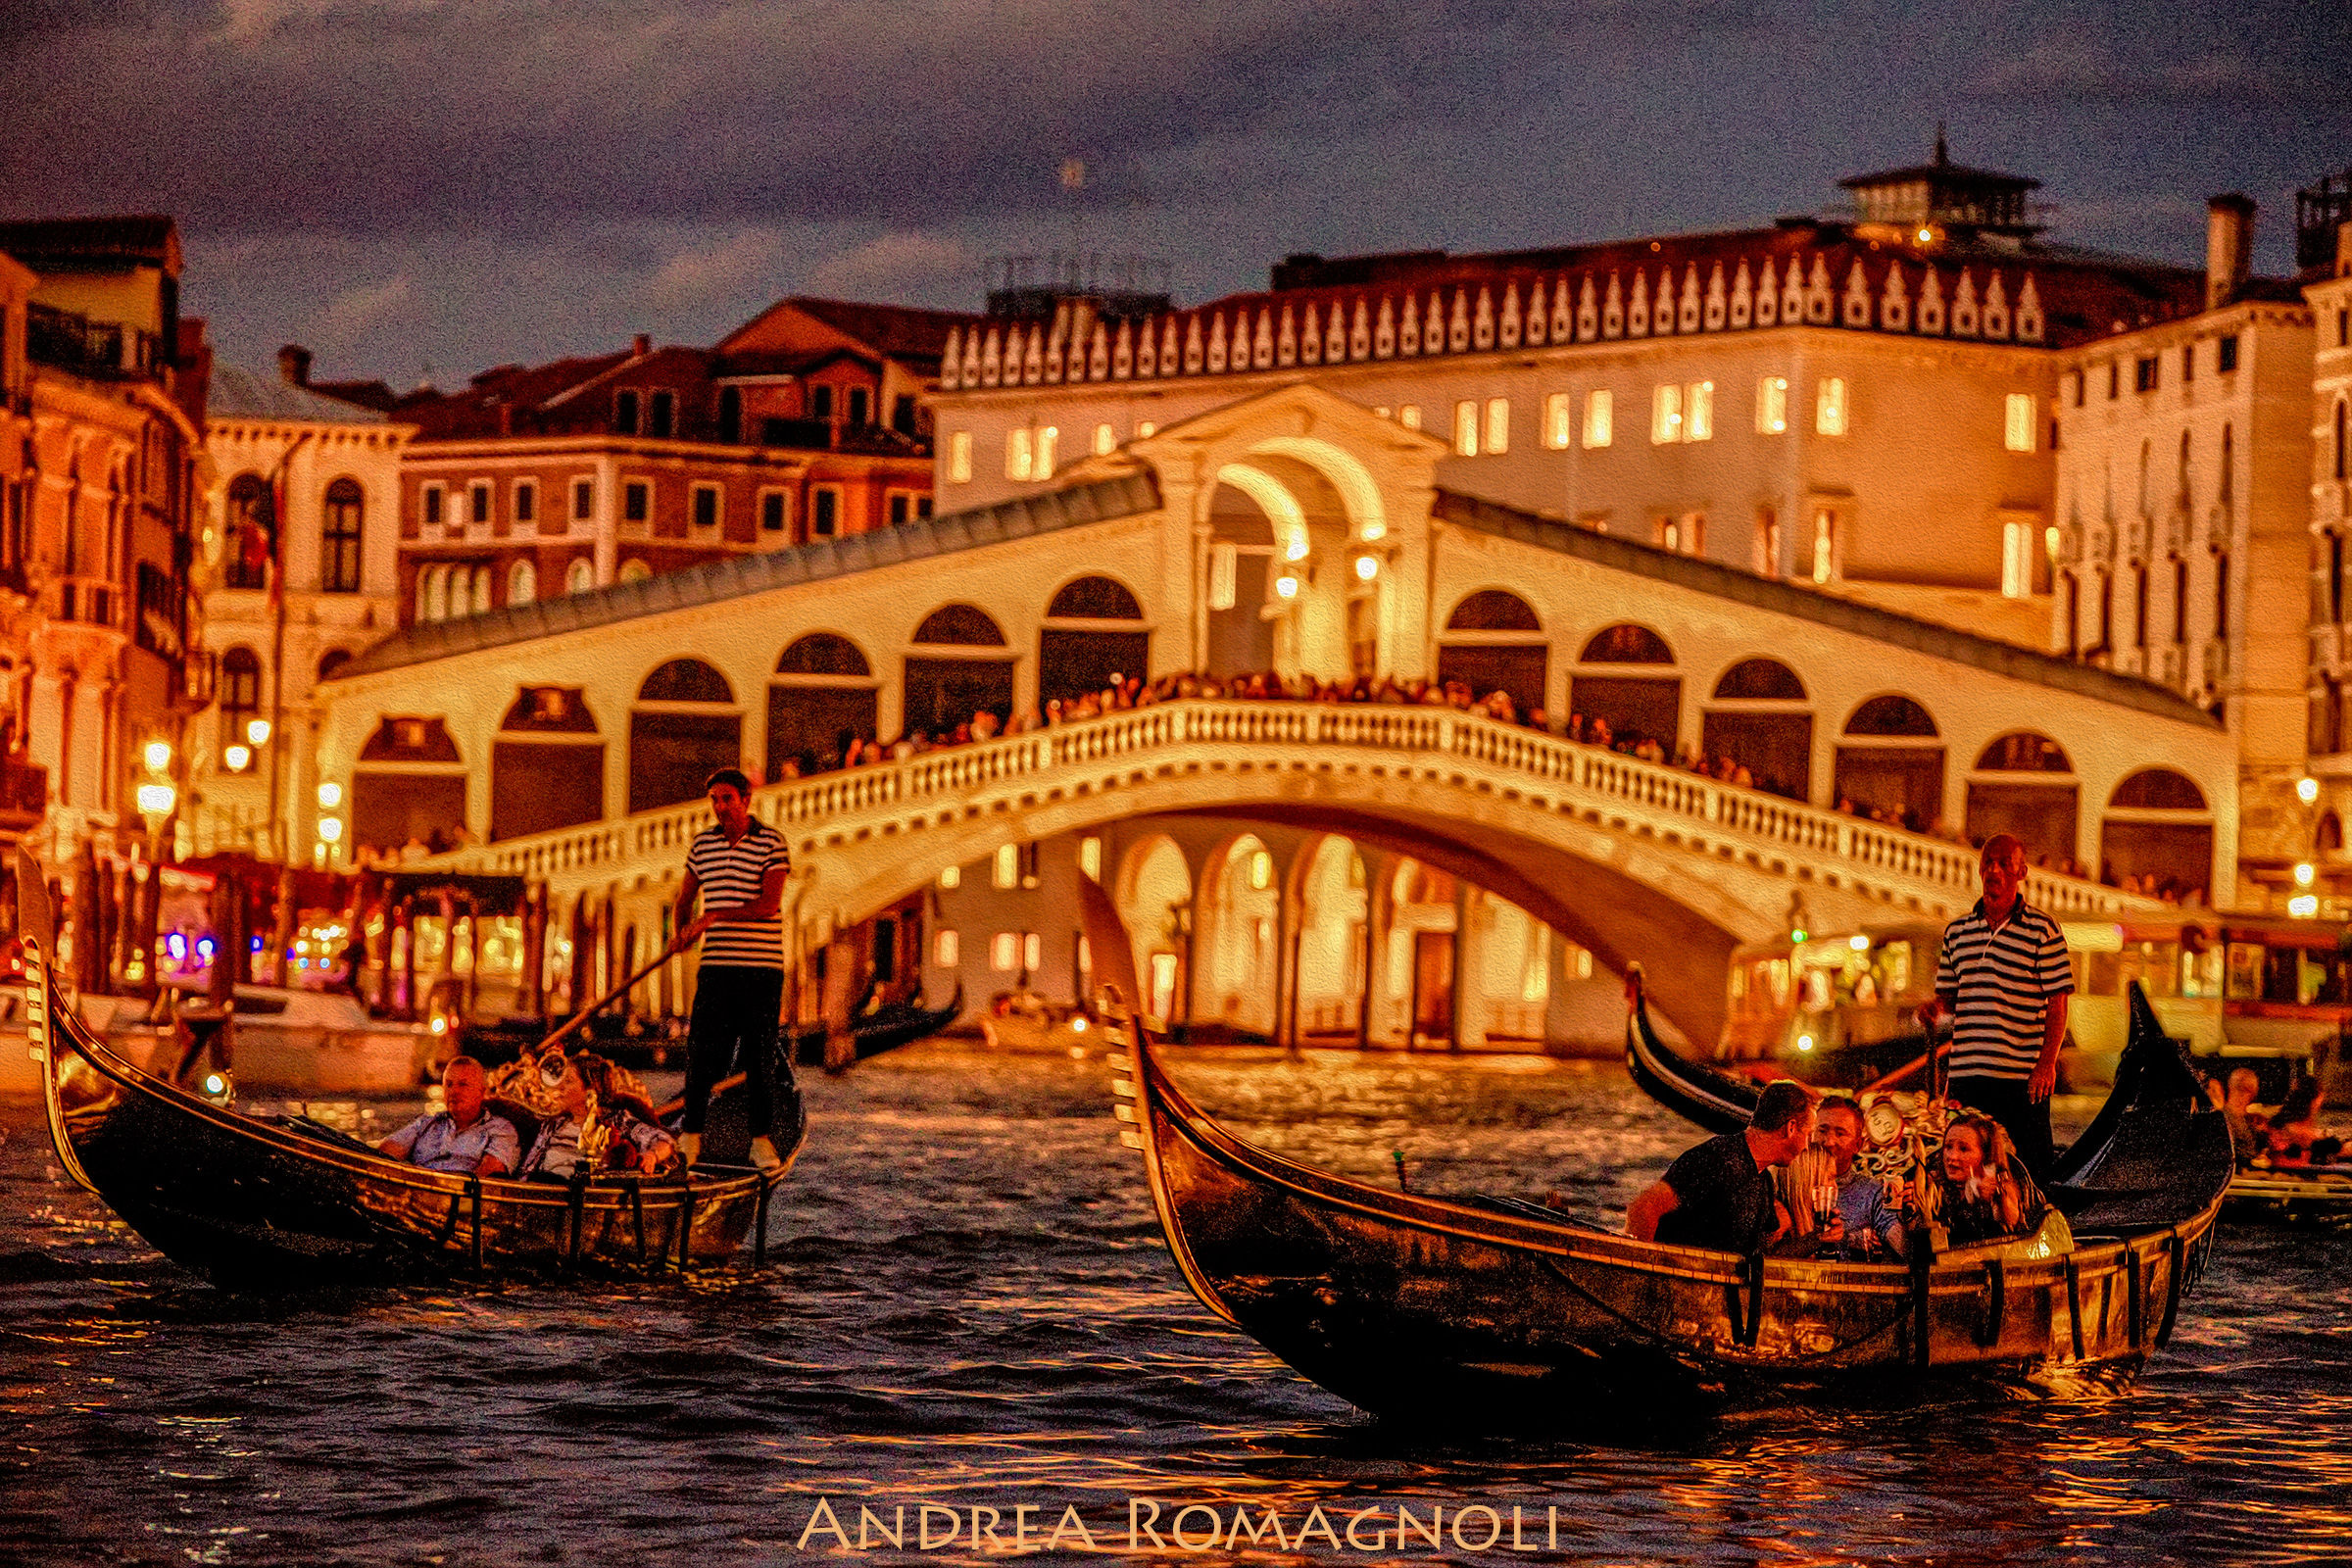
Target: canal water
[{"x": 972, "y": 1313}]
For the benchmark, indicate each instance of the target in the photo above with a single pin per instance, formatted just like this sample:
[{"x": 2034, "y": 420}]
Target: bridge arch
[
  {"x": 1886, "y": 768},
  {"x": 957, "y": 664},
  {"x": 1237, "y": 918},
  {"x": 823, "y": 689},
  {"x": 684, "y": 729},
  {"x": 1154, "y": 891},
  {"x": 1759, "y": 718}
]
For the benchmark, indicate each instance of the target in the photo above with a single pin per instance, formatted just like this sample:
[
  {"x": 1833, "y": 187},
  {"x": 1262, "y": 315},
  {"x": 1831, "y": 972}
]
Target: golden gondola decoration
[
  {"x": 1505, "y": 1312},
  {"x": 283, "y": 1202}
]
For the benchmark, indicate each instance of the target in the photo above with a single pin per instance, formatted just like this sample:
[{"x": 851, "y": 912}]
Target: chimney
[
  {"x": 2228, "y": 247},
  {"x": 294, "y": 365},
  {"x": 2343, "y": 249},
  {"x": 645, "y": 344}
]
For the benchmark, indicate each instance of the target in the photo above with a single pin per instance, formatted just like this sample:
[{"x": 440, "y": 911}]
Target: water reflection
[{"x": 973, "y": 1309}]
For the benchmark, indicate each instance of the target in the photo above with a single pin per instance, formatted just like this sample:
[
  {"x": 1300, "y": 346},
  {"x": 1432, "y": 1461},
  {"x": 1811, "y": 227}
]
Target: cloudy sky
[{"x": 426, "y": 187}]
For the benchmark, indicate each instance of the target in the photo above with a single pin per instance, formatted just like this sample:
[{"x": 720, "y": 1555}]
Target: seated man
[
  {"x": 466, "y": 1139},
  {"x": 621, "y": 1140},
  {"x": 1862, "y": 1224},
  {"x": 2236, "y": 1102},
  {"x": 1717, "y": 1195}
]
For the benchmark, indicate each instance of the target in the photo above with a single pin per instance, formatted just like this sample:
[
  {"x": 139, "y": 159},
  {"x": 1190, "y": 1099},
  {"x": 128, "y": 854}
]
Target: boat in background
[
  {"x": 301, "y": 1044},
  {"x": 1024, "y": 1023},
  {"x": 888, "y": 1027}
]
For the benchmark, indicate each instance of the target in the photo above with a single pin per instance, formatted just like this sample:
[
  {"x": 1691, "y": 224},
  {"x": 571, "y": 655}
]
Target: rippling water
[{"x": 972, "y": 1310}]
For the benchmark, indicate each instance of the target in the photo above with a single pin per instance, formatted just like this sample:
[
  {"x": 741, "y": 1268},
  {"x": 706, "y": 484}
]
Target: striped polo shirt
[
  {"x": 729, "y": 874},
  {"x": 1999, "y": 984}
]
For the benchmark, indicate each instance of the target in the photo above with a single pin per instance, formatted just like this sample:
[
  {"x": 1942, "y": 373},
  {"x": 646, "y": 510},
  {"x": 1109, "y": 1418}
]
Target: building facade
[
  {"x": 2320, "y": 825},
  {"x": 300, "y": 572}
]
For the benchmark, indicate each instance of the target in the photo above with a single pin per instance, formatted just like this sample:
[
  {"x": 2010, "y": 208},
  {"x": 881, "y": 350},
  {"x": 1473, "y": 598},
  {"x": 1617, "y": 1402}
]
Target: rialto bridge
[{"x": 1283, "y": 865}]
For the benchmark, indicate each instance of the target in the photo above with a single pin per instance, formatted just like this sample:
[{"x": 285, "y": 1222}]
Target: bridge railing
[{"x": 1587, "y": 775}]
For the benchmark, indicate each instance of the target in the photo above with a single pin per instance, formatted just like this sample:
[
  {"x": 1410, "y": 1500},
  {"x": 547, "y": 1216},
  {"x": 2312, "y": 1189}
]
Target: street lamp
[
  {"x": 158, "y": 798},
  {"x": 257, "y": 732}
]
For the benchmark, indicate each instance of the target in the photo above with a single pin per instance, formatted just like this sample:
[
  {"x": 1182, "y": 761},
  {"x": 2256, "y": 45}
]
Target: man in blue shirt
[
  {"x": 1862, "y": 1224},
  {"x": 465, "y": 1140}
]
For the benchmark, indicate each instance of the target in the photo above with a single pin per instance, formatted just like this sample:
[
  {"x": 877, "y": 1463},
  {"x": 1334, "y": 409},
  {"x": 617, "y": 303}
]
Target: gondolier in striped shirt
[
  {"x": 2004, "y": 979},
  {"x": 737, "y": 868}
]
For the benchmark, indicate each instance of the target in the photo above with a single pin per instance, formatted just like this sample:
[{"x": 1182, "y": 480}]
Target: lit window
[
  {"x": 2017, "y": 557},
  {"x": 1033, "y": 949},
  {"x": 1771, "y": 405},
  {"x": 951, "y": 878},
  {"x": 1105, "y": 439},
  {"x": 1009, "y": 865},
  {"x": 1019, "y": 454},
  {"x": 1699, "y": 421},
  {"x": 947, "y": 951},
  {"x": 1465, "y": 429},
  {"x": 1261, "y": 870},
  {"x": 1598, "y": 419},
  {"x": 2017, "y": 431},
  {"x": 1046, "y": 437},
  {"x": 1005, "y": 953},
  {"x": 1409, "y": 415},
  {"x": 1556, "y": 417},
  {"x": 1825, "y": 546},
  {"x": 1499, "y": 426},
  {"x": 960, "y": 458},
  {"x": 1090, "y": 856},
  {"x": 1665, "y": 415},
  {"x": 1143, "y": 427},
  {"x": 579, "y": 576},
  {"x": 1828, "y": 406}
]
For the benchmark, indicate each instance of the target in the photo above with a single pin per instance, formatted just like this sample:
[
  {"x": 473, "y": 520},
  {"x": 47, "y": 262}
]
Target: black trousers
[
  {"x": 734, "y": 1023},
  {"x": 2026, "y": 1120}
]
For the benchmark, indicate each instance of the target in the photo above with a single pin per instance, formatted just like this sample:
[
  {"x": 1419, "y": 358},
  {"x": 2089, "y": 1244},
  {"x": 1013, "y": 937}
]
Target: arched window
[
  {"x": 1087, "y": 598},
  {"x": 339, "y": 539},
  {"x": 634, "y": 570},
  {"x": 1761, "y": 680},
  {"x": 331, "y": 662},
  {"x": 391, "y": 807},
  {"x": 685, "y": 680},
  {"x": 251, "y": 532},
  {"x": 1891, "y": 715},
  {"x": 579, "y": 576},
  {"x": 2329, "y": 837},
  {"x": 522, "y": 583},
  {"x": 547, "y": 765},
  {"x": 2159, "y": 789},
  {"x": 2023, "y": 752},
  {"x": 823, "y": 695},
  {"x": 240, "y": 680},
  {"x": 480, "y": 596},
  {"x": 1626, "y": 644},
  {"x": 1495, "y": 609},
  {"x": 960, "y": 625},
  {"x": 2033, "y": 799}
]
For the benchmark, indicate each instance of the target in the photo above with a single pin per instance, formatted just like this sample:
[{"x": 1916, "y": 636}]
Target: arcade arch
[
  {"x": 964, "y": 669},
  {"x": 1092, "y": 635},
  {"x": 822, "y": 695},
  {"x": 547, "y": 765},
  {"x": 1883, "y": 772},
  {"x": 1238, "y": 919},
  {"x": 2024, "y": 784},
  {"x": 684, "y": 727},
  {"x": 1155, "y": 895},
  {"x": 1495, "y": 642},
  {"x": 1760, "y": 719},
  {"x": 1334, "y": 907},
  {"x": 1638, "y": 707},
  {"x": 2157, "y": 835},
  {"x": 1423, "y": 952},
  {"x": 409, "y": 786}
]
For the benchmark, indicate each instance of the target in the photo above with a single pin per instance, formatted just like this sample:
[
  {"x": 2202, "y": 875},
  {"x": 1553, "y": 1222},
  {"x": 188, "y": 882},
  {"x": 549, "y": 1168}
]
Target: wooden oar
[
  {"x": 607, "y": 999},
  {"x": 1904, "y": 1072}
]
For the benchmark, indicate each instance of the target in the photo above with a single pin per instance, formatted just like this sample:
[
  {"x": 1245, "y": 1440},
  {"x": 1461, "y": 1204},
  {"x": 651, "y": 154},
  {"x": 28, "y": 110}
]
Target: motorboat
[{"x": 283, "y": 1041}]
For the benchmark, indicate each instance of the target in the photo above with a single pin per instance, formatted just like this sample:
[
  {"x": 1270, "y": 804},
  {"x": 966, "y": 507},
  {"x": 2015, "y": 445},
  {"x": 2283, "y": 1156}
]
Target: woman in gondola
[
  {"x": 1981, "y": 1194},
  {"x": 598, "y": 1124},
  {"x": 2295, "y": 1135}
]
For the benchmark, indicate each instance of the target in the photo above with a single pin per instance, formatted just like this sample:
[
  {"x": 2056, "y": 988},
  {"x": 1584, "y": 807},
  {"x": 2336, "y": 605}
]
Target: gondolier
[
  {"x": 2004, "y": 979},
  {"x": 737, "y": 868}
]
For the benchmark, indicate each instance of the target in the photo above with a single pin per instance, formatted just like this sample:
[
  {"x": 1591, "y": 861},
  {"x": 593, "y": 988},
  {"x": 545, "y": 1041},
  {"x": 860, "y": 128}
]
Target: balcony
[
  {"x": 87, "y": 602},
  {"x": 101, "y": 350},
  {"x": 23, "y": 795}
]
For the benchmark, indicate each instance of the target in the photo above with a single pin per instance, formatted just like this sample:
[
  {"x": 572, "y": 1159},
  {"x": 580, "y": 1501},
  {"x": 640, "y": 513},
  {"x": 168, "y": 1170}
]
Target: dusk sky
[{"x": 427, "y": 187}]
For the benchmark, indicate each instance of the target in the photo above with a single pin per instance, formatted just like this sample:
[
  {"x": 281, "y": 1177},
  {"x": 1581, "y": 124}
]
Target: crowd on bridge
[{"x": 1121, "y": 693}]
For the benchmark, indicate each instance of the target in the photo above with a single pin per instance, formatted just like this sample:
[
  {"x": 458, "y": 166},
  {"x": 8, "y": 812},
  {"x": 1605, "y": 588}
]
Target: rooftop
[{"x": 236, "y": 393}]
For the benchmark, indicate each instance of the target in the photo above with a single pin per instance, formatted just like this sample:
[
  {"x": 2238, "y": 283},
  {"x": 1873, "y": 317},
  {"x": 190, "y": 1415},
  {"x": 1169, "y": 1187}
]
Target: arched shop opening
[
  {"x": 1239, "y": 920},
  {"x": 547, "y": 767},
  {"x": 684, "y": 729},
  {"x": 1885, "y": 770},
  {"x": 1154, "y": 893},
  {"x": 1758, "y": 718},
  {"x": 1633, "y": 707},
  {"x": 1494, "y": 642},
  {"x": 823, "y": 695},
  {"x": 1332, "y": 955},
  {"x": 2157, "y": 836},
  {"x": 2024, "y": 785},
  {"x": 409, "y": 787},
  {"x": 962, "y": 670},
  {"x": 1090, "y": 638}
]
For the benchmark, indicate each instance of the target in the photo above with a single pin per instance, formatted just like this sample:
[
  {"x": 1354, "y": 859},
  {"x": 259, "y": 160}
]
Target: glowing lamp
[
  {"x": 257, "y": 732},
  {"x": 157, "y": 799},
  {"x": 159, "y": 756},
  {"x": 1858, "y": 942},
  {"x": 238, "y": 757},
  {"x": 2303, "y": 874},
  {"x": 1078, "y": 1025},
  {"x": 1296, "y": 550},
  {"x": 1286, "y": 586},
  {"x": 1797, "y": 935},
  {"x": 2305, "y": 906},
  {"x": 330, "y": 796},
  {"x": 330, "y": 830},
  {"x": 2307, "y": 789},
  {"x": 1804, "y": 1042},
  {"x": 1368, "y": 567},
  {"x": 1375, "y": 530}
]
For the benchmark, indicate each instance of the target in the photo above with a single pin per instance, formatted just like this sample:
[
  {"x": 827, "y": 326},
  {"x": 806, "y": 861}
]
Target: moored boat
[
  {"x": 278, "y": 1203},
  {"x": 1498, "y": 1310},
  {"x": 888, "y": 1027}
]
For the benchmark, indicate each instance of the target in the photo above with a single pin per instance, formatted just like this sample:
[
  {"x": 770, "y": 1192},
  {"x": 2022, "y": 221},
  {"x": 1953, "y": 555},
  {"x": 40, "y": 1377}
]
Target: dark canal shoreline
[{"x": 971, "y": 1308}]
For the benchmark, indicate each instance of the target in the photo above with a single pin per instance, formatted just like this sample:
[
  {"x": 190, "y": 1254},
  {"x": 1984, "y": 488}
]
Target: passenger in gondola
[
  {"x": 1844, "y": 1209},
  {"x": 2235, "y": 1103},
  {"x": 598, "y": 1125},
  {"x": 2296, "y": 1136},
  {"x": 1720, "y": 1194},
  {"x": 1981, "y": 1193},
  {"x": 467, "y": 1138}
]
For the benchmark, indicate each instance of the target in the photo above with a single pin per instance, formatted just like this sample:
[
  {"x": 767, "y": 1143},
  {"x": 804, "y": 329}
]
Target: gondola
[
  {"x": 886, "y": 1028},
  {"x": 285, "y": 1203},
  {"x": 1497, "y": 1312}
]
